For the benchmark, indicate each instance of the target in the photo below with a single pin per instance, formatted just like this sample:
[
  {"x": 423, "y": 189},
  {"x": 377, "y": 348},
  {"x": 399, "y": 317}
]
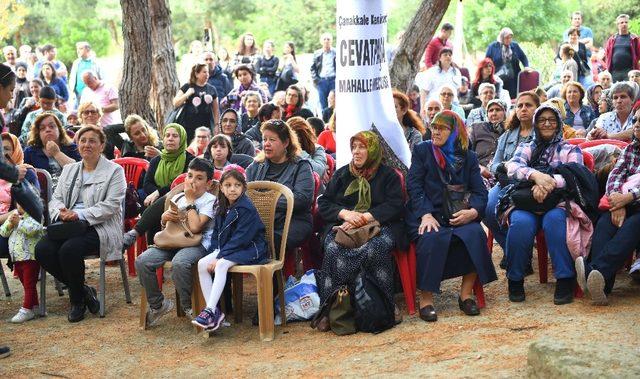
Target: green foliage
[
  {"x": 600, "y": 16},
  {"x": 82, "y": 30},
  {"x": 541, "y": 59}
]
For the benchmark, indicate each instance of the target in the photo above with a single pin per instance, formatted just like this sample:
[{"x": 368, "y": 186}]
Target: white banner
[{"x": 363, "y": 86}]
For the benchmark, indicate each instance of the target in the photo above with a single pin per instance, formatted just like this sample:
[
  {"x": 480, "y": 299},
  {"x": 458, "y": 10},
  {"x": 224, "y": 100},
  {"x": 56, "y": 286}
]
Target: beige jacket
[{"x": 103, "y": 197}]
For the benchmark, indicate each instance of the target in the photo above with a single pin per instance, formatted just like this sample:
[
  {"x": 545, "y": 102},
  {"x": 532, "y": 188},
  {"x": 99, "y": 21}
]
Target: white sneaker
[
  {"x": 154, "y": 315},
  {"x": 23, "y": 315},
  {"x": 634, "y": 272}
]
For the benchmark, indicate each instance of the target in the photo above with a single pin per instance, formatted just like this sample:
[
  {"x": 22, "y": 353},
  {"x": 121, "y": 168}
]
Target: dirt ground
[{"x": 493, "y": 344}]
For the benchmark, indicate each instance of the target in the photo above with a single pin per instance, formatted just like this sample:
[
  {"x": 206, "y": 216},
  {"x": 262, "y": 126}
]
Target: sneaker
[
  {"x": 218, "y": 318},
  {"x": 581, "y": 275},
  {"x": 130, "y": 238},
  {"x": 154, "y": 315},
  {"x": 23, "y": 315},
  {"x": 4, "y": 351},
  {"x": 595, "y": 283},
  {"x": 204, "y": 319},
  {"x": 634, "y": 272}
]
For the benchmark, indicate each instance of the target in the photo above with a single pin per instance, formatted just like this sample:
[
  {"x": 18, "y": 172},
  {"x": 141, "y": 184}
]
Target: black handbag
[
  {"x": 63, "y": 230},
  {"x": 455, "y": 198},
  {"x": 522, "y": 198},
  {"x": 25, "y": 194},
  {"x": 174, "y": 116}
]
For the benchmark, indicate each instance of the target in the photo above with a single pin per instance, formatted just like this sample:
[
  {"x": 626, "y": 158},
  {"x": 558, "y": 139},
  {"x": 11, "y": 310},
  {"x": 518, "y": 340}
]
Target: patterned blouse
[
  {"x": 628, "y": 164},
  {"x": 519, "y": 166},
  {"x": 23, "y": 238}
]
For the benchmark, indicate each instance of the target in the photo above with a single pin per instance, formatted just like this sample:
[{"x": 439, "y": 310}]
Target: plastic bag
[{"x": 302, "y": 300}]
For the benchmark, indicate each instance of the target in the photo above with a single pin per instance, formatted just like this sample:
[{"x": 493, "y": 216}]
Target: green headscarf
[
  {"x": 172, "y": 163},
  {"x": 365, "y": 173}
]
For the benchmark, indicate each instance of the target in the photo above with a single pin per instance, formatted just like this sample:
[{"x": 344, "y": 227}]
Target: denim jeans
[
  {"x": 490, "y": 218},
  {"x": 522, "y": 230},
  {"x": 324, "y": 86}
]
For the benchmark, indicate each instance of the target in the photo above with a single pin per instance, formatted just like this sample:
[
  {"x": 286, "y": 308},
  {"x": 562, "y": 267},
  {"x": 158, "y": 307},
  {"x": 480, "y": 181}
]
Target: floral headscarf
[
  {"x": 452, "y": 152},
  {"x": 368, "y": 170}
]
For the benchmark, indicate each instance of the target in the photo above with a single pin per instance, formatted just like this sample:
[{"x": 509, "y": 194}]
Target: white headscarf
[{"x": 506, "y": 49}]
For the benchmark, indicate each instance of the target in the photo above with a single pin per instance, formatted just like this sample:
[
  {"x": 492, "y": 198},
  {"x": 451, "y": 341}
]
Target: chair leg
[
  {"x": 265, "y": 305},
  {"x": 237, "y": 297},
  {"x": 103, "y": 288},
  {"x": 125, "y": 281},
  {"x": 5, "y": 284},
  {"x": 43, "y": 292},
  {"x": 283, "y": 315},
  {"x": 160, "y": 277},
  {"x": 479, "y": 292},
  {"x": 143, "y": 309},
  {"x": 131, "y": 257},
  {"x": 402, "y": 262},
  {"x": 541, "y": 245}
]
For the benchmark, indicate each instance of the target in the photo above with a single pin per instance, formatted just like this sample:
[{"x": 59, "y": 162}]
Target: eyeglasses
[
  {"x": 543, "y": 121},
  {"x": 89, "y": 112},
  {"x": 446, "y": 94}
]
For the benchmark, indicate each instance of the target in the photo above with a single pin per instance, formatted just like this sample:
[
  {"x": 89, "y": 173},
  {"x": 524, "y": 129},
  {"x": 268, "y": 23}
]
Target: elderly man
[
  {"x": 49, "y": 53},
  {"x": 565, "y": 77},
  {"x": 217, "y": 76},
  {"x": 618, "y": 123},
  {"x": 323, "y": 69},
  {"x": 486, "y": 93},
  {"x": 86, "y": 62},
  {"x": 622, "y": 50},
  {"x": 10, "y": 55},
  {"x": 432, "y": 106},
  {"x": 102, "y": 94}
]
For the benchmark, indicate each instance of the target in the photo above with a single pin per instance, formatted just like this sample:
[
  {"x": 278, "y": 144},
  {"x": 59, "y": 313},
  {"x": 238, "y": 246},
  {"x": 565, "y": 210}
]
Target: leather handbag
[
  {"x": 522, "y": 198},
  {"x": 177, "y": 235},
  {"x": 455, "y": 198},
  {"x": 26, "y": 194},
  {"x": 64, "y": 230},
  {"x": 341, "y": 315},
  {"x": 357, "y": 237}
]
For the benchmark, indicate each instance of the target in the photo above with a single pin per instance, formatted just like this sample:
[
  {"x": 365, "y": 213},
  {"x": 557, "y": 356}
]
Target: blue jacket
[
  {"x": 60, "y": 86},
  {"x": 586, "y": 114},
  {"x": 35, "y": 156},
  {"x": 239, "y": 235},
  {"x": 507, "y": 144},
  {"x": 220, "y": 81},
  {"x": 494, "y": 51}
]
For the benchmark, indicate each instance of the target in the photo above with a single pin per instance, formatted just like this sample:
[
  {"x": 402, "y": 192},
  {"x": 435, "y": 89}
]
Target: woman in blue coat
[
  {"x": 457, "y": 246},
  {"x": 507, "y": 55},
  {"x": 238, "y": 238}
]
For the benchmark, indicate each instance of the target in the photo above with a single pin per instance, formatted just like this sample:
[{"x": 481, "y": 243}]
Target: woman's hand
[
  {"x": 150, "y": 152},
  {"x": 463, "y": 217},
  {"x": 211, "y": 267},
  {"x": 543, "y": 180},
  {"x": 428, "y": 223},
  {"x": 153, "y": 196},
  {"x": 346, "y": 226},
  {"x": 618, "y": 216},
  {"x": 68, "y": 215},
  {"x": 51, "y": 149},
  {"x": 597, "y": 133},
  {"x": 539, "y": 193},
  {"x": 485, "y": 172},
  {"x": 581, "y": 133},
  {"x": 618, "y": 200},
  {"x": 356, "y": 219}
]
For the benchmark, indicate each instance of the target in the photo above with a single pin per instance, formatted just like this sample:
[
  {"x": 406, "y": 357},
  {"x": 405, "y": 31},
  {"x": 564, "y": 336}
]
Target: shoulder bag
[
  {"x": 177, "y": 235},
  {"x": 455, "y": 198}
]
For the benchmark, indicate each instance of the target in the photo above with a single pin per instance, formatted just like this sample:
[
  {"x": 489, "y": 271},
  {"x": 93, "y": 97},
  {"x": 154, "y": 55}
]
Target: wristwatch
[{"x": 191, "y": 206}]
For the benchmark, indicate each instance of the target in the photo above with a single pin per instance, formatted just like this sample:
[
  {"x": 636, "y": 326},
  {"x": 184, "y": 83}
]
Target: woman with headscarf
[
  {"x": 359, "y": 193},
  {"x": 594, "y": 93},
  {"x": 230, "y": 125},
  {"x": 483, "y": 136},
  {"x": 507, "y": 55},
  {"x": 453, "y": 247},
  {"x": 616, "y": 233},
  {"x": 163, "y": 169},
  {"x": 534, "y": 162}
]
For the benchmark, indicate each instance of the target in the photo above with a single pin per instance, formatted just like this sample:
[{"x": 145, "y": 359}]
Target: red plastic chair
[
  {"x": 178, "y": 180},
  {"x": 598, "y": 142},
  {"x": 576, "y": 141},
  {"x": 134, "y": 168},
  {"x": 588, "y": 160},
  {"x": 306, "y": 247},
  {"x": 528, "y": 81},
  {"x": 331, "y": 166}
]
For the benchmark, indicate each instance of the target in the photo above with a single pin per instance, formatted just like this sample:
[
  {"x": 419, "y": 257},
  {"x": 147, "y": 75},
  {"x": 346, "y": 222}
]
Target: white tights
[{"x": 212, "y": 288}]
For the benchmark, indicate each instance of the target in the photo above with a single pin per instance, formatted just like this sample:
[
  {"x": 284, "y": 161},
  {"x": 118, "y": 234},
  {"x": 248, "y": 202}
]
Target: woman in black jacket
[
  {"x": 294, "y": 100},
  {"x": 142, "y": 143}
]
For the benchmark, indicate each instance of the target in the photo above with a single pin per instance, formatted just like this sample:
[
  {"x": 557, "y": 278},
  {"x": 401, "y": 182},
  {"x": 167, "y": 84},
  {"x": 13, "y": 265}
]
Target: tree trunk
[
  {"x": 135, "y": 85},
  {"x": 406, "y": 62},
  {"x": 164, "y": 78}
]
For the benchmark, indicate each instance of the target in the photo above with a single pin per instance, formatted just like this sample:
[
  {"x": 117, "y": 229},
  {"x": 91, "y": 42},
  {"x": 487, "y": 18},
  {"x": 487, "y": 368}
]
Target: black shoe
[
  {"x": 564, "y": 291},
  {"x": 4, "y": 351},
  {"x": 516, "y": 291},
  {"x": 91, "y": 300},
  {"x": 76, "y": 313},
  {"x": 469, "y": 307},
  {"x": 529, "y": 270},
  {"x": 428, "y": 313}
]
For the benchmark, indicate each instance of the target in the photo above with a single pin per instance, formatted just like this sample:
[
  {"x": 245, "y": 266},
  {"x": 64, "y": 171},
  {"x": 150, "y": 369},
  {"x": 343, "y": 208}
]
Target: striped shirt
[{"x": 628, "y": 164}]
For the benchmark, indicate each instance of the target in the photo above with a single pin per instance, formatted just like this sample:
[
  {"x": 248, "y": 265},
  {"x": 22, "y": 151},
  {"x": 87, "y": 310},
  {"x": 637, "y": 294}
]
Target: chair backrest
[
  {"x": 265, "y": 196},
  {"x": 178, "y": 180},
  {"x": 598, "y": 142},
  {"x": 46, "y": 191},
  {"x": 528, "y": 81},
  {"x": 331, "y": 165},
  {"x": 465, "y": 72},
  {"x": 576, "y": 141},
  {"x": 403, "y": 184},
  {"x": 588, "y": 160},
  {"x": 133, "y": 168}
]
